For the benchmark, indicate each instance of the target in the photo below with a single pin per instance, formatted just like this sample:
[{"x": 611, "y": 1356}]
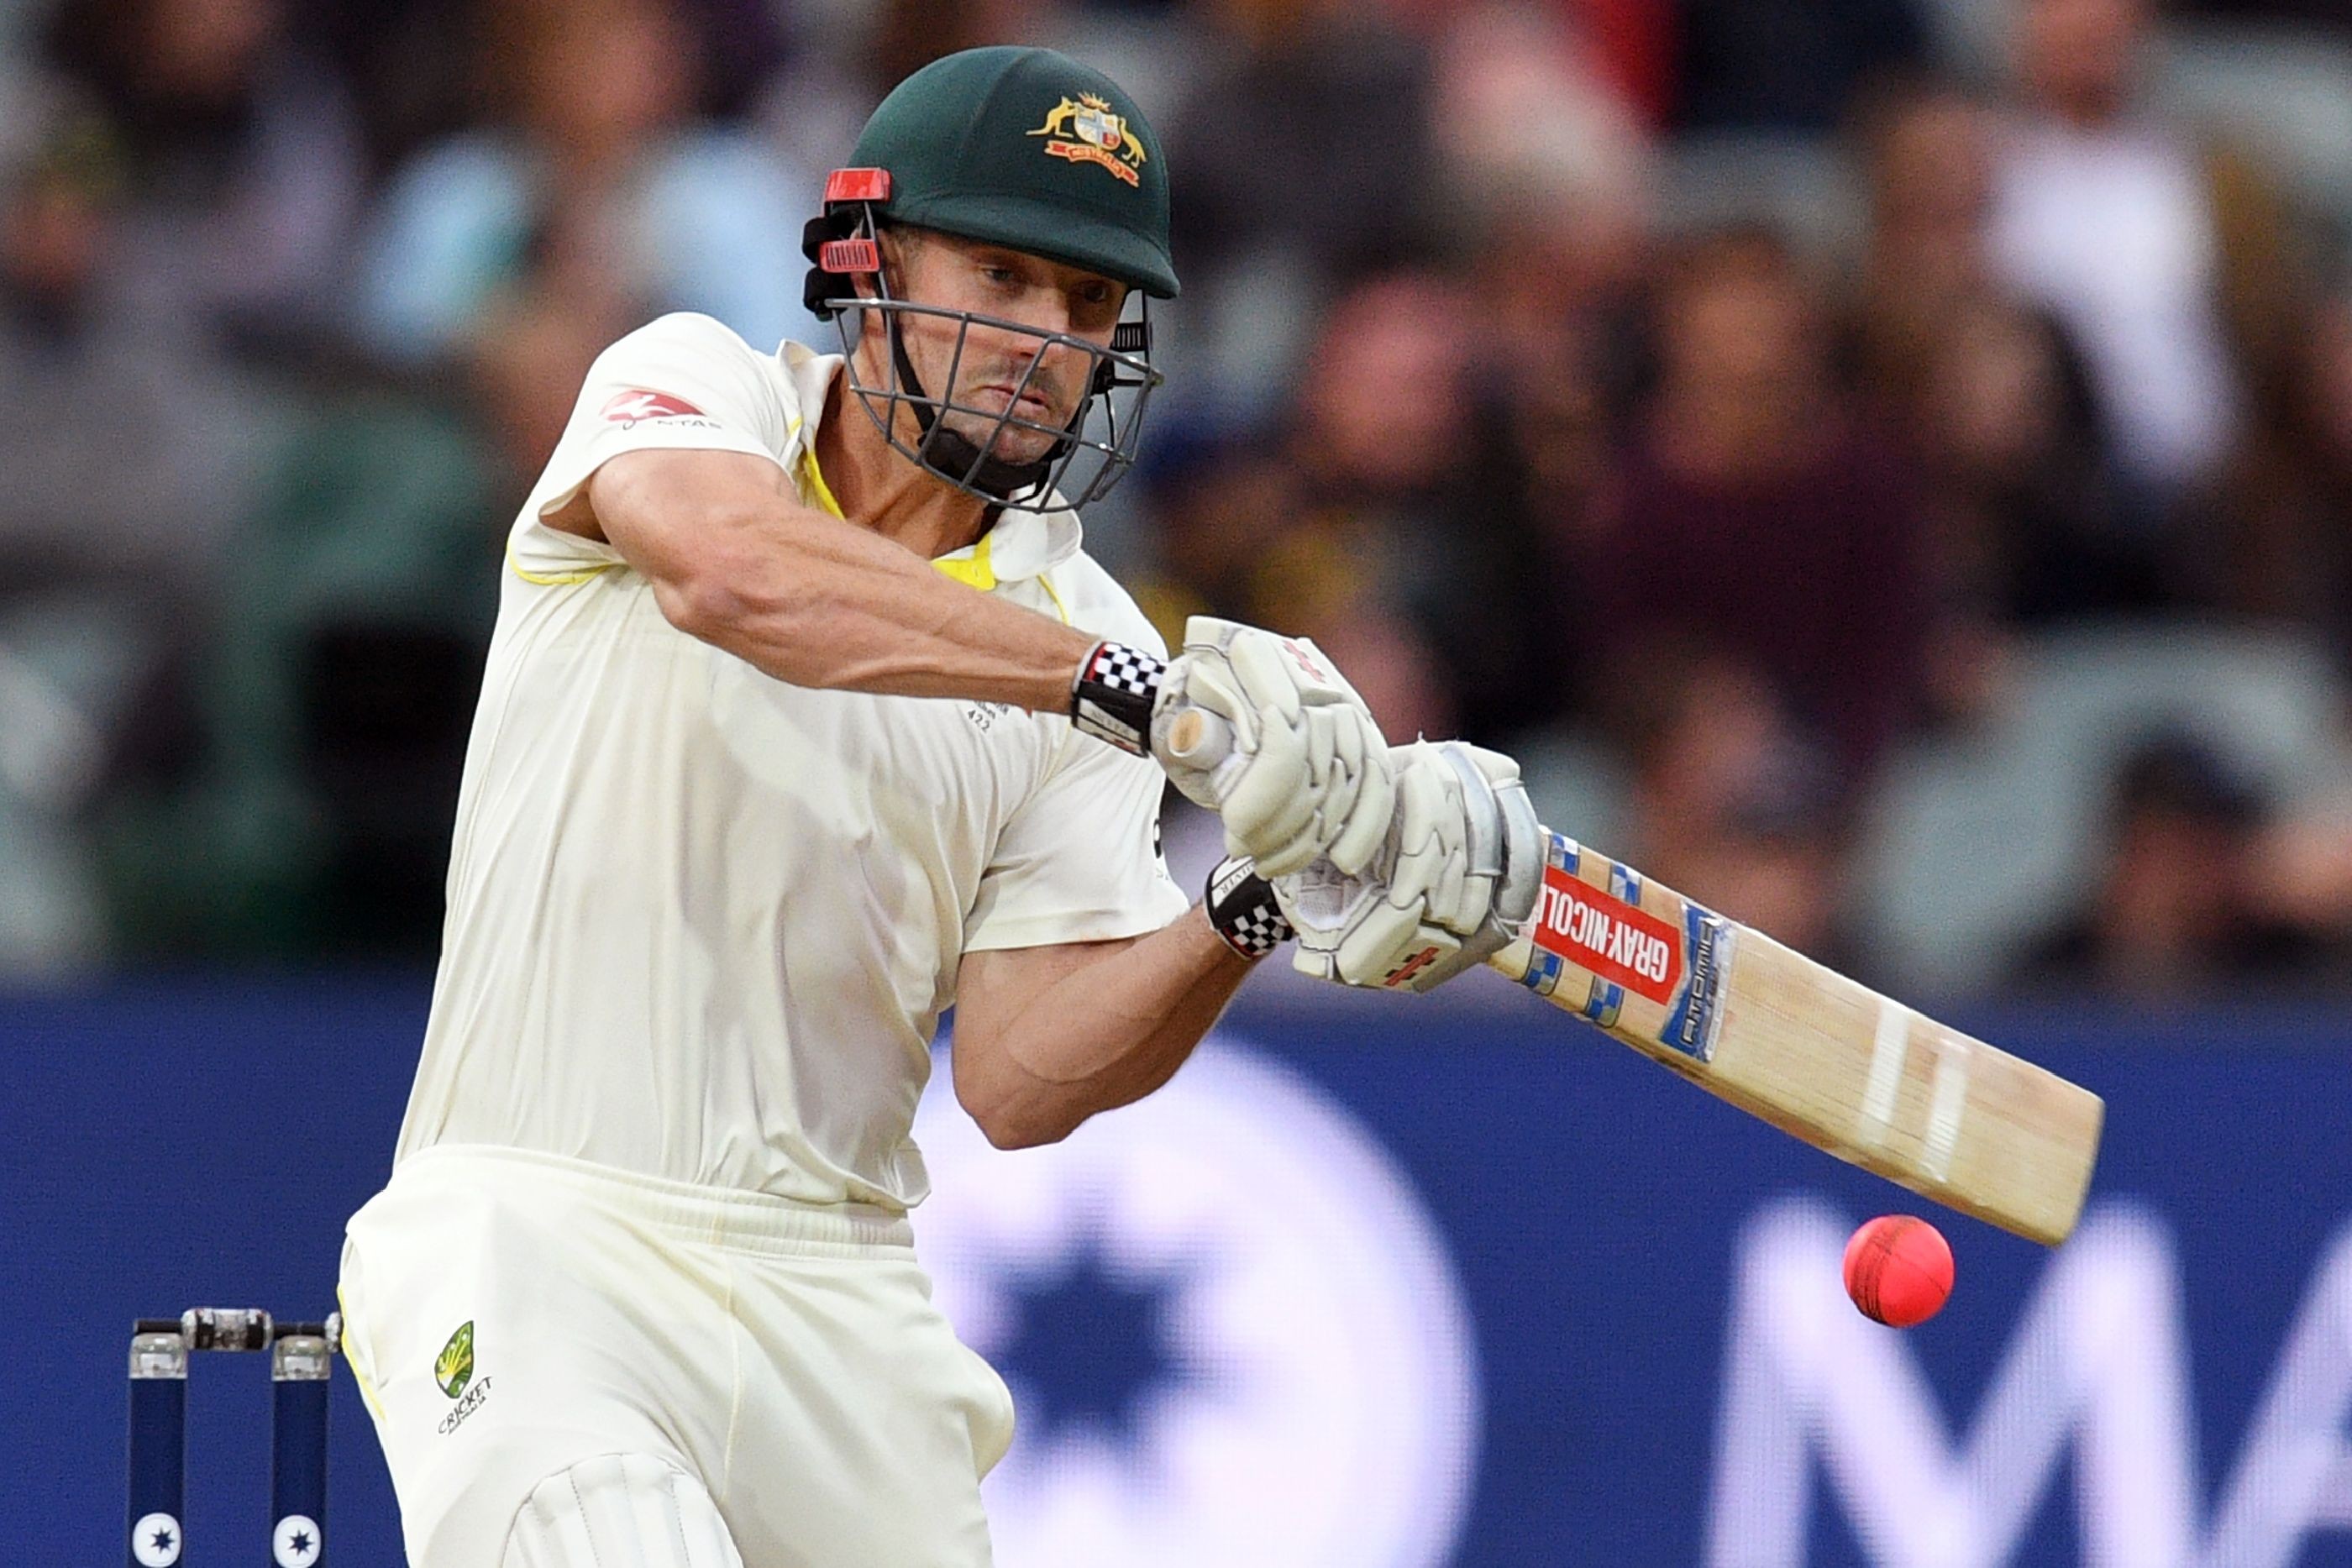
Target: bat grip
[{"x": 1199, "y": 738}]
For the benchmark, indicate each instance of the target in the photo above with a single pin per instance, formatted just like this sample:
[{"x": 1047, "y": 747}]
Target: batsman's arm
[
  {"x": 736, "y": 558},
  {"x": 1046, "y": 1037}
]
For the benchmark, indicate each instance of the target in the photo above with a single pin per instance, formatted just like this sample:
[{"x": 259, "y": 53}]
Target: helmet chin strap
[{"x": 947, "y": 453}]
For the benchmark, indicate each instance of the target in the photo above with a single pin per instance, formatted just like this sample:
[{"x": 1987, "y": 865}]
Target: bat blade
[{"x": 1807, "y": 1049}]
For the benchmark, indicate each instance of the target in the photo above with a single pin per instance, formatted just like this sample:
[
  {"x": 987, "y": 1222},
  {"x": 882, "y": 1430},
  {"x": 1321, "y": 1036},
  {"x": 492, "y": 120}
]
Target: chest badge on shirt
[{"x": 453, "y": 1370}]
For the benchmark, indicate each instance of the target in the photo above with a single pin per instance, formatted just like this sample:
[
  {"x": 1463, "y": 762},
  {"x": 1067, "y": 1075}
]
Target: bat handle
[{"x": 1199, "y": 738}]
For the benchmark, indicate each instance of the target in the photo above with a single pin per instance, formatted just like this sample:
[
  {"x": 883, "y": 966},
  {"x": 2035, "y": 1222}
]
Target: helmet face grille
[{"x": 1085, "y": 458}]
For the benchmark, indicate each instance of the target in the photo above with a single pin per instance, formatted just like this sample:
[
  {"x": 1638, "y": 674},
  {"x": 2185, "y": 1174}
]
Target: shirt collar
[{"x": 1022, "y": 544}]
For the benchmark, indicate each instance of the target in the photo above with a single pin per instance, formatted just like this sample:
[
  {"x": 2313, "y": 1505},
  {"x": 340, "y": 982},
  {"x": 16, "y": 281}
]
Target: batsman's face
[{"x": 1047, "y": 297}]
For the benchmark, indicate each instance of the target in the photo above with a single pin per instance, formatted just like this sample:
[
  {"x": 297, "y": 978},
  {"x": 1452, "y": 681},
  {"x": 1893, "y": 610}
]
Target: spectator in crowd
[
  {"x": 1754, "y": 507},
  {"x": 1927, "y": 151},
  {"x": 842, "y": 57},
  {"x": 1308, "y": 85},
  {"x": 382, "y": 632},
  {"x": 1627, "y": 47},
  {"x": 2276, "y": 539},
  {"x": 2161, "y": 257},
  {"x": 1551, "y": 175},
  {"x": 339, "y": 689},
  {"x": 1732, "y": 805},
  {"x": 2184, "y": 906},
  {"x": 134, "y": 451},
  {"x": 2024, "y": 520},
  {"x": 240, "y": 159},
  {"x": 136, "y": 440},
  {"x": 411, "y": 86},
  {"x": 1530, "y": 133},
  {"x": 1333, "y": 532},
  {"x": 1304, "y": 144},
  {"x": 696, "y": 217},
  {"x": 2025, "y": 513},
  {"x": 1388, "y": 494},
  {"x": 151, "y": 431}
]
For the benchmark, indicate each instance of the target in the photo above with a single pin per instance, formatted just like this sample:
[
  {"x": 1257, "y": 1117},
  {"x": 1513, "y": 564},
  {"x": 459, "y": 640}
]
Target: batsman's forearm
[
  {"x": 1106, "y": 1033},
  {"x": 818, "y": 603},
  {"x": 736, "y": 558}
]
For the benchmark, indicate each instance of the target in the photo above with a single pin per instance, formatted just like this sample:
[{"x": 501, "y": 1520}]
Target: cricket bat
[
  {"x": 1798, "y": 1045},
  {"x": 1791, "y": 1042}
]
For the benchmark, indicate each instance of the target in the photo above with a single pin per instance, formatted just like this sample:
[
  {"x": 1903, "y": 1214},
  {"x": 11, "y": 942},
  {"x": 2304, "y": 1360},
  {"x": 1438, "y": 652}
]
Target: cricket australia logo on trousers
[{"x": 453, "y": 1369}]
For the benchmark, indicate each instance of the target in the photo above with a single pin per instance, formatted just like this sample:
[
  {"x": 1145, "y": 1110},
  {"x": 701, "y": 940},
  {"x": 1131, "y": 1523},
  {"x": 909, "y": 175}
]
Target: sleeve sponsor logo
[
  {"x": 629, "y": 407},
  {"x": 1608, "y": 936}
]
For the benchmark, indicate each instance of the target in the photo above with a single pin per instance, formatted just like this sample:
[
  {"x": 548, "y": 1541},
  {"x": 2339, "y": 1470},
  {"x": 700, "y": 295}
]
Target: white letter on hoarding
[
  {"x": 2097, "y": 1359},
  {"x": 2295, "y": 1474}
]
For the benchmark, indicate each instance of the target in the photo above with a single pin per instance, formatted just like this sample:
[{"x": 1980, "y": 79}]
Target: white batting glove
[
  {"x": 1298, "y": 768},
  {"x": 1454, "y": 880},
  {"x": 1309, "y": 771}
]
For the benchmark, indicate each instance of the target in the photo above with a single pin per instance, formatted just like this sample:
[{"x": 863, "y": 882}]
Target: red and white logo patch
[
  {"x": 628, "y": 407},
  {"x": 1613, "y": 938}
]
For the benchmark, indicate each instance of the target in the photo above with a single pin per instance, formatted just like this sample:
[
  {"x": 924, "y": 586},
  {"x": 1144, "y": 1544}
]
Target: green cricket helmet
[{"x": 1024, "y": 148}]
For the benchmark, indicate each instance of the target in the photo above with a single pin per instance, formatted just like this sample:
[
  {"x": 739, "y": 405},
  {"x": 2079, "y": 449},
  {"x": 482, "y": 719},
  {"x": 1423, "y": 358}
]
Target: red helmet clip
[
  {"x": 858, "y": 185},
  {"x": 849, "y": 256}
]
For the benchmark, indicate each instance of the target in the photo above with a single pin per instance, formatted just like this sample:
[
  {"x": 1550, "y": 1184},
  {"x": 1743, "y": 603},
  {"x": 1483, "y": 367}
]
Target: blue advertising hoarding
[{"x": 1429, "y": 1281}]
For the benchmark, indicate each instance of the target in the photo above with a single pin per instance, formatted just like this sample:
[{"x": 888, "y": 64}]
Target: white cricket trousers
[{"x": 510, "y": 1314}]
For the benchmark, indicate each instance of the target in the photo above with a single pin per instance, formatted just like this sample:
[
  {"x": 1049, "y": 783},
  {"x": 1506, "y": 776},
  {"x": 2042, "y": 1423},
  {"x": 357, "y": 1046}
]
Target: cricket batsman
[{"x": 806, "y": 718}]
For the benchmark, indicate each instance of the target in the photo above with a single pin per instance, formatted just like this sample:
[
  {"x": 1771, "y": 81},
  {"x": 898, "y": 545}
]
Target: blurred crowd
[{"x": 1773, "y": 419}]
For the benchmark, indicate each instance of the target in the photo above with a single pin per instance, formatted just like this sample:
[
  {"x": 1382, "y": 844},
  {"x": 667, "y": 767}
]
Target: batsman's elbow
[
  {"x": 1010, "y": 1119},
  {"x": 694, "y": 604},
  {"x": 710, "y": 602},
  {"x": 1014, "y": 1127},
  {"x": 1009, "y": 1133}
]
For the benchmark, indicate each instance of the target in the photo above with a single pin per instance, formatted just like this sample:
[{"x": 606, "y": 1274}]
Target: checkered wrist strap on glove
[
  {"x": 1114, "y": 695},
  {"x": 1241, "y": 907}
]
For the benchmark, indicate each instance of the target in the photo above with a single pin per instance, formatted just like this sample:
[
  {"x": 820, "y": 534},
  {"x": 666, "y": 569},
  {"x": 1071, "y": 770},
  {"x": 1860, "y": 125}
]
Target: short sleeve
[
  {"x": 1080, "y": 859},
  {"x": 685, "y": 383}
]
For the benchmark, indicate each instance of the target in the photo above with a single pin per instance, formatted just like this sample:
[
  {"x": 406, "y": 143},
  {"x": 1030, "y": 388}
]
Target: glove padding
[
  {"x": 1309, "y": 772},
  {"x": 1454, "y": 881}
]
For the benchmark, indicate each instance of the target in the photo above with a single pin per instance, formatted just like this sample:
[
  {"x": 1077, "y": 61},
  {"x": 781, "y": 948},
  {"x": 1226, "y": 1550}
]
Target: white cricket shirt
[{"x": 701, "y": 923}]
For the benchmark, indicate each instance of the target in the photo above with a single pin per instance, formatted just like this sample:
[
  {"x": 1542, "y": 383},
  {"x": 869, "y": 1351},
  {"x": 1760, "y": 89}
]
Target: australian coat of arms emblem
[{"x": 1087, "y": 130}]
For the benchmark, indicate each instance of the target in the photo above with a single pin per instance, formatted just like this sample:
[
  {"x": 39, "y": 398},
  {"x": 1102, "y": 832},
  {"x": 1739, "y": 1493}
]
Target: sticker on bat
[
  {"x": 1698, "y": 1013},
  {"x": 1605, "y": 935}
]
